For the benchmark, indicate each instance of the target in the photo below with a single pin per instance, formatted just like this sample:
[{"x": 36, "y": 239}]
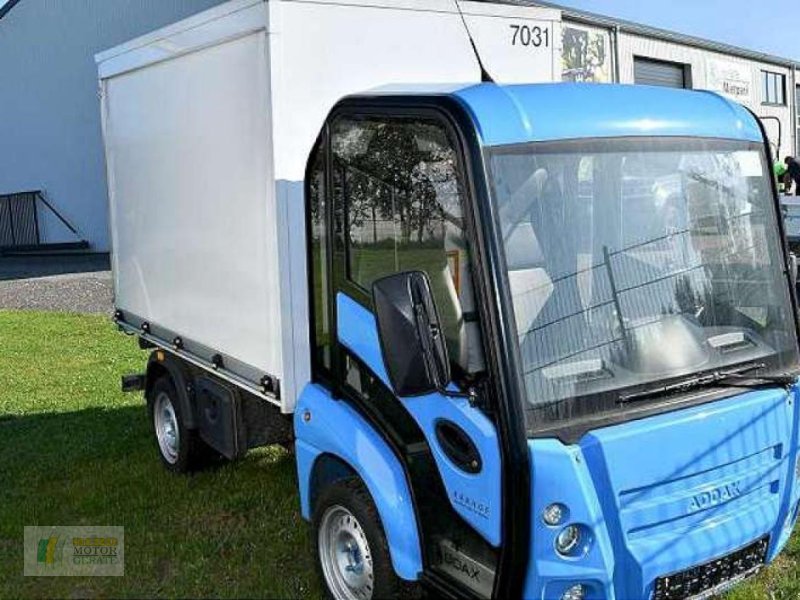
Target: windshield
[{"x": 636, "y": 261}]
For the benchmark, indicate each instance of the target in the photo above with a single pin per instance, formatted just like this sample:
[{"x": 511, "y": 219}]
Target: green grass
[{"x": 74, "y": 450}]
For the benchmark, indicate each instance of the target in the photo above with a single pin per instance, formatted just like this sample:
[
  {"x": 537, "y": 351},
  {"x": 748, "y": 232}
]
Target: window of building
[
  {"x": 773, "y": 88},
  {"x": 400, "y": 183}
]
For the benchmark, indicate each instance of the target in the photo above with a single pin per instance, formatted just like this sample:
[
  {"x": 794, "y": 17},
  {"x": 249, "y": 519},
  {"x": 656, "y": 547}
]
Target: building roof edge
[{"x": 592, "y": 18}]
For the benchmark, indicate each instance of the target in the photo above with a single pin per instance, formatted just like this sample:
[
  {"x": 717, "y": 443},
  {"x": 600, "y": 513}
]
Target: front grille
[{"x": 709, "y": 579}]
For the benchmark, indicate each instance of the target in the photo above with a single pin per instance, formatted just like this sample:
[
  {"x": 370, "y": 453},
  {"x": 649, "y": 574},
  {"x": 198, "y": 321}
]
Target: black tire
[
  {"x": 352, "y": 495},
  {"x": 191, "y": 452}
]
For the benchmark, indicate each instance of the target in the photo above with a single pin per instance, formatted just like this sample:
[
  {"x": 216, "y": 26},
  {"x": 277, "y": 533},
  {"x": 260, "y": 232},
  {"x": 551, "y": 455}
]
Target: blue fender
[
  {"x": 324, "y": 426},
  {"x": 791, "y": 502}
]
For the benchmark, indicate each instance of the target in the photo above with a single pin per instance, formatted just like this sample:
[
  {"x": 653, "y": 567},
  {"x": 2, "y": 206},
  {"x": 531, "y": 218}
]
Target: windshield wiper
[{"x": 734, "y": 377}]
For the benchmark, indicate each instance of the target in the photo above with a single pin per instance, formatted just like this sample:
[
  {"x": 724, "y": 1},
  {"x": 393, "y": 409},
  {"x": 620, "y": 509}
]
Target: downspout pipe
[
  {"x": 615, "y": 32},
  {"x": 794, "y": 97}
]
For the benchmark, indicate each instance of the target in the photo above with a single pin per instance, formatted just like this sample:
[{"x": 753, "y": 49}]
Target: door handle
[{"x": 458, "y": 447}]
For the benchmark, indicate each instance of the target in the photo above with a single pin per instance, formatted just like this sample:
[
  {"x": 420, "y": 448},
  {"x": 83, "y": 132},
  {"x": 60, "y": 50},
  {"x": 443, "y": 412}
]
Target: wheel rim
[
  {"x": 166, "y": 424},
  {"x": 345, "y": 555}
]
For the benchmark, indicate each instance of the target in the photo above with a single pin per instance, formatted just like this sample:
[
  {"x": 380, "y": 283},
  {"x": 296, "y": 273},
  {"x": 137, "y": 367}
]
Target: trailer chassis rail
[{"x": 265, "y": 387}]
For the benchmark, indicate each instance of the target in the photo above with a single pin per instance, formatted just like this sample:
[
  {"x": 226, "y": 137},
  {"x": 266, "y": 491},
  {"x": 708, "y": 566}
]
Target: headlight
[
  {"x": 576, "y": 592},
  {"x": 554, "y": 514},
  {"x": 568, "y": 540}
]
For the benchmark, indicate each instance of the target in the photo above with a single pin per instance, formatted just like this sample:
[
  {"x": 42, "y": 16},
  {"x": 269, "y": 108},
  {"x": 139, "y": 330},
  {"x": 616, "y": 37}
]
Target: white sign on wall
[{"x": 731, "y": 79}]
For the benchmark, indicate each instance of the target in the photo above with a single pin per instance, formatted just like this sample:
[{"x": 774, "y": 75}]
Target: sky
[{"x": 771, "y": 26}]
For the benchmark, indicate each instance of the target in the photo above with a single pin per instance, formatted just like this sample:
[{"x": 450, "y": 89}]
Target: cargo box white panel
[
  {"x": 192, "y": 198},
  {"x": 517, "y": 44},
  {"x": 325, "y": 51},
  {"x": 209, "y": 124}
]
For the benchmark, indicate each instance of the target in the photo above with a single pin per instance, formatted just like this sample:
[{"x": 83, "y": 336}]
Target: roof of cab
[{"x": 512, "y": 114}]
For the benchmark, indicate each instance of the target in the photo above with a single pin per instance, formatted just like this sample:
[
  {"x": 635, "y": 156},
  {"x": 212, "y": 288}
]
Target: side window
[
  {"x": 400, "y": 189},
  {"x": 320, "y": 278}
]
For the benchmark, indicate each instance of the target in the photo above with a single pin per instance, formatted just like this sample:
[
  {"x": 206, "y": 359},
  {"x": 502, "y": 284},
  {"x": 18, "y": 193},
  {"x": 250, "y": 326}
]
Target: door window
[
  {"x": 318, "y": 265},
  {"x": 398, "y": 189}
]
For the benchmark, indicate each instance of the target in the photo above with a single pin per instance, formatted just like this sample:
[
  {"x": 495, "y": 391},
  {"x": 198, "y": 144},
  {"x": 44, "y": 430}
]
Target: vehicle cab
[{"x": 553, "y": 343}]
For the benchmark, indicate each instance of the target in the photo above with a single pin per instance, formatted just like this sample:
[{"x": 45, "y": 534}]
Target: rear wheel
[
  {"x": 180, "y": 448},
  {"x": 352, "y": 552},
  {"x": 166, "y": 428}
]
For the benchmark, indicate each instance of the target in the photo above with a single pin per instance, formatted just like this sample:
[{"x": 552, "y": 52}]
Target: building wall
[
  {"x": 631, "y": 46},
  {"x": 50, "y": 136}
]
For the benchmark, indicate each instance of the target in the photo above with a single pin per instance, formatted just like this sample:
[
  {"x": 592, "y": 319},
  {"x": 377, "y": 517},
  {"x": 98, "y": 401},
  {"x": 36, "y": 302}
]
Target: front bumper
[{"x": 664, "y": 495}]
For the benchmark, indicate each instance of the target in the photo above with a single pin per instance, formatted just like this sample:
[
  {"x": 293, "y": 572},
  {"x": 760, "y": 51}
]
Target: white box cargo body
[{"x": 208, "y": 126}]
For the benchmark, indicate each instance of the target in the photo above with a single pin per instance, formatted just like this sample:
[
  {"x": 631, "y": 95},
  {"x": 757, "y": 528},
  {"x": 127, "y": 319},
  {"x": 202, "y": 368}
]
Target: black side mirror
[{"x": 409, "y": 328}]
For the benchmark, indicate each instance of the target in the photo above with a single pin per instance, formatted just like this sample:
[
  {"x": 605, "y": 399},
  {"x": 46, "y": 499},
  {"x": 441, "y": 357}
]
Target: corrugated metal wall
[{"x": 49, "y": 110}]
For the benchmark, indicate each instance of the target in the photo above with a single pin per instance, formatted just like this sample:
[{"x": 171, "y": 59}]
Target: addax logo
[
  {"x": 50, "y": 550},
  {"x": 715, "y": 496}
]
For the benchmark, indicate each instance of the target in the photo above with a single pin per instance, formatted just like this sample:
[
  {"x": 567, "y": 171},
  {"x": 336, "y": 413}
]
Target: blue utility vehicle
[{"x": 525, "y": 340}]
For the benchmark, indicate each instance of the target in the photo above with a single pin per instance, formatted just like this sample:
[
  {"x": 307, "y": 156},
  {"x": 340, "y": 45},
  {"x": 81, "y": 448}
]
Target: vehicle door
[{"x": 387, "y": 195}]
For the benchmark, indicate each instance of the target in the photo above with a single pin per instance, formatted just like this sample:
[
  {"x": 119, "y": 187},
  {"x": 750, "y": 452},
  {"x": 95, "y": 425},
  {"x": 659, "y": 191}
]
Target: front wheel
[{"x": 351, "y": 549}]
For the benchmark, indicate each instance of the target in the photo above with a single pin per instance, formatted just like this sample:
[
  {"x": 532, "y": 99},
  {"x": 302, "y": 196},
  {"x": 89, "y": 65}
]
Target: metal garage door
[{"x": 655, "y": 72}]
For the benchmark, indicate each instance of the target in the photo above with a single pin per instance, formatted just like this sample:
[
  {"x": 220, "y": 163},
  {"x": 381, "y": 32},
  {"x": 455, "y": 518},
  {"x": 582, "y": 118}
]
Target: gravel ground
[{"x": 80, "y": 293}]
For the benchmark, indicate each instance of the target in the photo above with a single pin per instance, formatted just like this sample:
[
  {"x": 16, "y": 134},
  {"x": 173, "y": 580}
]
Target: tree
[{"x": 398, "y": 176}]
